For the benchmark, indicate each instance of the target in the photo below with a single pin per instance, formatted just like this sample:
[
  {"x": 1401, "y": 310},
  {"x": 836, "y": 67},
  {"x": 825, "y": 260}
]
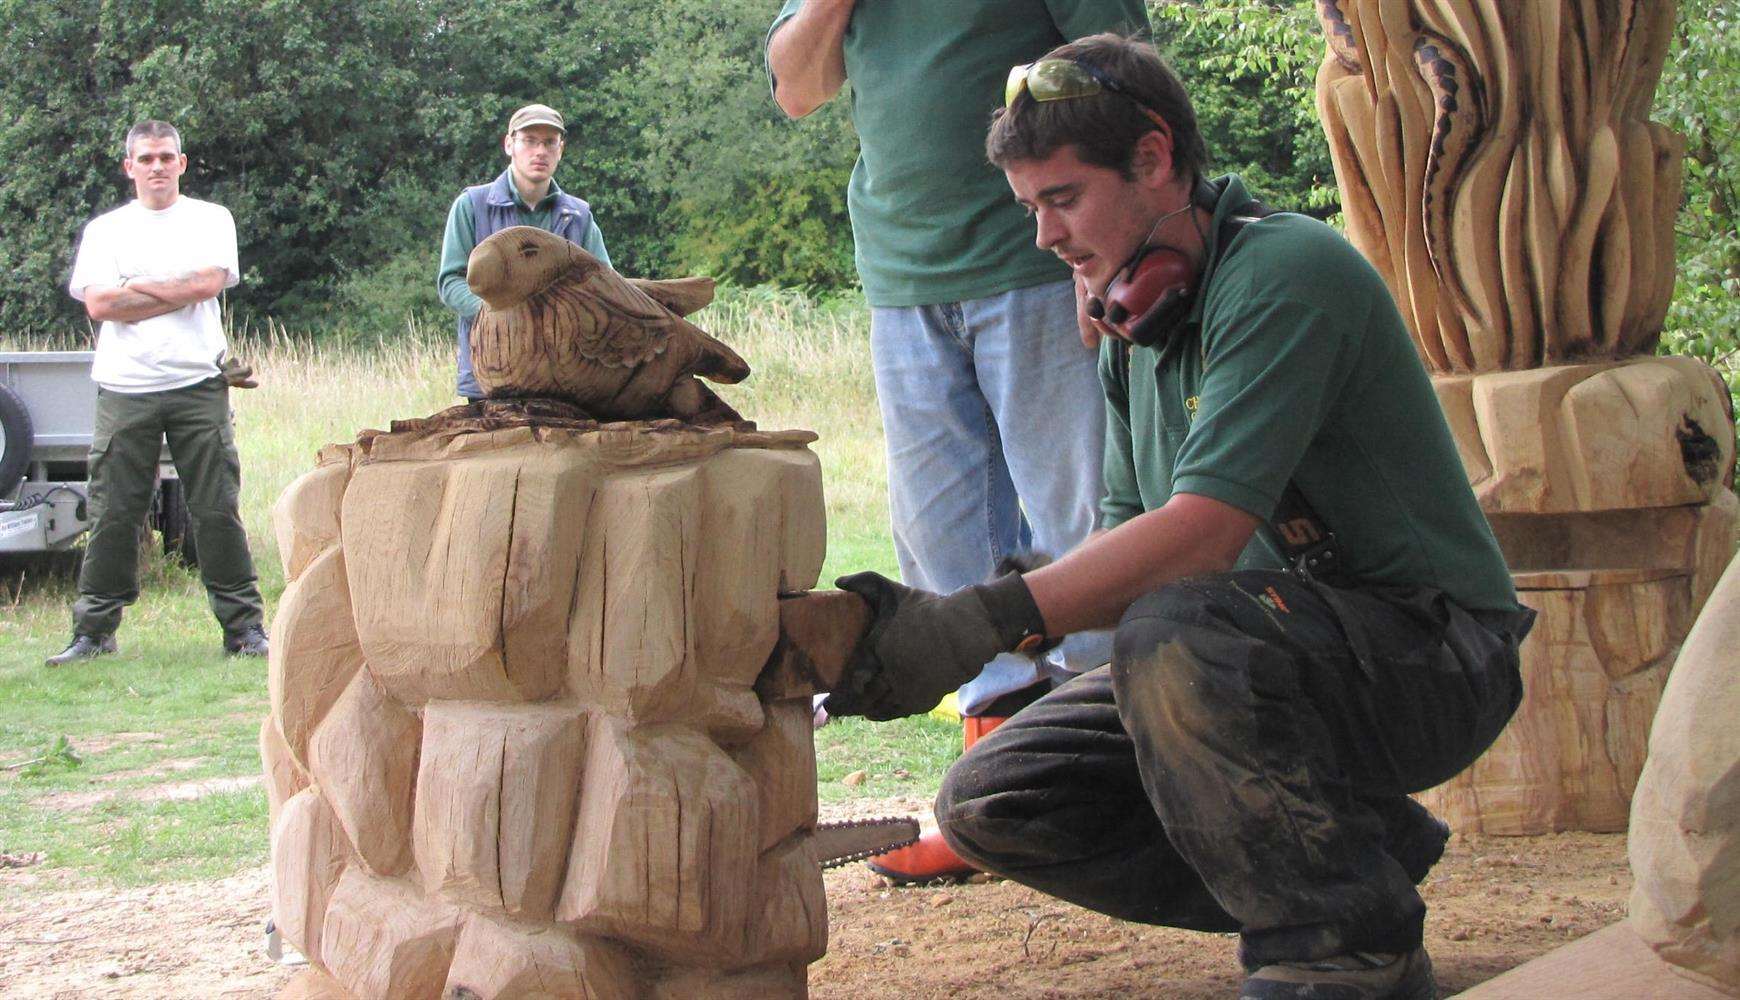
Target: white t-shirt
[{"x": 177, "y": 348}]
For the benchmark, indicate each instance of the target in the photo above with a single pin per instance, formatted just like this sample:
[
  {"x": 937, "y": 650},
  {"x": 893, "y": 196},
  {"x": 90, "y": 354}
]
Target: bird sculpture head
[{"x": 518, "y": 263}]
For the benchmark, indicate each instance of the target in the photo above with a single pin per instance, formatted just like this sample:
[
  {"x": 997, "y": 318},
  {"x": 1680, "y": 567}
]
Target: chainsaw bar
[{"x": 841, "y": 843}]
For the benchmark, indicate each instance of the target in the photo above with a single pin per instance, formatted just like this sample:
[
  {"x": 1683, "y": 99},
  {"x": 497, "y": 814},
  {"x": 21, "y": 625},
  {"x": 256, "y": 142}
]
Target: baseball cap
[{"x": 537, "y": 114}]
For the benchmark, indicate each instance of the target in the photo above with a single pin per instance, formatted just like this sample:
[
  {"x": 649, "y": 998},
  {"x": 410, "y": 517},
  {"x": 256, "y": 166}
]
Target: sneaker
[
  {"x": 250, "y": 641},
  {"x": 1359, "y": 976},
  {"x": 83, "y": 647}
]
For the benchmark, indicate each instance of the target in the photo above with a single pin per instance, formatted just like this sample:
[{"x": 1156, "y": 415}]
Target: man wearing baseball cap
[{"x": 525, "y": 194}]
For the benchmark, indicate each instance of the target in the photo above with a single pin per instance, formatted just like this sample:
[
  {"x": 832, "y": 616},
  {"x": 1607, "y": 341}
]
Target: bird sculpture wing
[{"x": 618, "y": 325}]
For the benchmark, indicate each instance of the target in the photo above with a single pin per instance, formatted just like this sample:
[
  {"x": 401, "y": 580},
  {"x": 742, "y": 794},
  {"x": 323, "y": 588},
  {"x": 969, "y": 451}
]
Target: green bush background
[{"x": 338, "y": 132}]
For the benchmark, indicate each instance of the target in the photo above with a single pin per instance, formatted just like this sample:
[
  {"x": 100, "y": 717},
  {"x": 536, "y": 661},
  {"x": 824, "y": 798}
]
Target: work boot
[
  {"x": 83, "y": 647},
  {"x": 1359, "y": 976},
  {"x": 931, "y": 858},
  {"x": 250, "y": 641}
]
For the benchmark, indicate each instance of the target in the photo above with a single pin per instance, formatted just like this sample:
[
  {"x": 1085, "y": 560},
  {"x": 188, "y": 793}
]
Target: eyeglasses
[
  {"x": 552, "y": 144},
  {"x": 1066, "y": 79}
]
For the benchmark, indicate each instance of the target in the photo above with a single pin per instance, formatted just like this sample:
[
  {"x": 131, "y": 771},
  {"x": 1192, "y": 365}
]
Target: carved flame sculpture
[{"x": 1497, "y": 164}]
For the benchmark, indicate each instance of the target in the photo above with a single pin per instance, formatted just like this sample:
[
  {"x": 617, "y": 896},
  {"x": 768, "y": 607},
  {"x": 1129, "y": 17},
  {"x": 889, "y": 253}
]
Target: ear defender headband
[{"x": 1153, "y": 291}]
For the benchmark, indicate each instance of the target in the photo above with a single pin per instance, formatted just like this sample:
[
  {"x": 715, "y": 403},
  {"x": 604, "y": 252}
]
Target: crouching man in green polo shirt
[{"x": 1313, "y": 618}]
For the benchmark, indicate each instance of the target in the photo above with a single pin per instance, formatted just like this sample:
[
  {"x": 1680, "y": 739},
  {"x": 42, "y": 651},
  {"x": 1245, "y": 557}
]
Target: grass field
[{"x": 138, "y": 768}]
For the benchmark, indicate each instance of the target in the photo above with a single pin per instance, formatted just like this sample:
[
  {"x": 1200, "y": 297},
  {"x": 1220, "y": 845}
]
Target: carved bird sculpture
[{"x": 559, "y": 322}]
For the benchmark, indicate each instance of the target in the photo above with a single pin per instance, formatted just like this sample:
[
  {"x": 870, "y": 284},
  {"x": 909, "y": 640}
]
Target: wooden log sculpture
[
  {"x": 516, "y": 746},
  {"x": 559, "y": 323},
  {"x": 1497, "y": 166},
  {"x": 1682, "y": 937}
]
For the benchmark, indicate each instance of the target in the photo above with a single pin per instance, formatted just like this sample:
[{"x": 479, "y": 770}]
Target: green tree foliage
[
  {"x": 1251, "y": 68},
  {"x": 1696, "y": 98},
  {"x": 746, "y": 196},
  {"x": 339, "y": 131}
]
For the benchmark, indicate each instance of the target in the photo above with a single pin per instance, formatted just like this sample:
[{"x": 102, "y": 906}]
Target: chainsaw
[{"x": 818, "y": 631}]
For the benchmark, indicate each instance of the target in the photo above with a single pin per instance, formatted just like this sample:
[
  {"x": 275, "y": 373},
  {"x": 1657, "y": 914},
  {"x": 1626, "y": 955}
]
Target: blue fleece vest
[{"x": 492, "y": 210}]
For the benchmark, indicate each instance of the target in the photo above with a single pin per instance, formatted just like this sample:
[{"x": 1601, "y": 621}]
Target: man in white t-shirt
[{"x": 151, "y": 272}]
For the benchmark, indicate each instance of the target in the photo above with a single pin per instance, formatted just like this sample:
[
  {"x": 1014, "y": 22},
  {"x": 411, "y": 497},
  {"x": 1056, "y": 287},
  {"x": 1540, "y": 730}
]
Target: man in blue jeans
[{"x": 990, "y": 401}]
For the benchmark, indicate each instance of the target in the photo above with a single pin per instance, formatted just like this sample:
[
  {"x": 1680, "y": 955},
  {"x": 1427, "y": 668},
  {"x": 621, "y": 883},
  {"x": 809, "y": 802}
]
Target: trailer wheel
[
  {"x": 16, "y": 438},
  {"x": 175, "y": 524}
]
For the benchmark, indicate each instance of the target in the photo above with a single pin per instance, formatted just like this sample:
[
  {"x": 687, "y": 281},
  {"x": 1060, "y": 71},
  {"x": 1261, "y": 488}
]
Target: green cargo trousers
[{"x": 195, "y": 420}]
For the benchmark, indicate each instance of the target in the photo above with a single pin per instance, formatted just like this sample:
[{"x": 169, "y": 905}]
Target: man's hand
[
  {"x": 1092, "y": 330},
  {"x": 920, "y": 646},
  {"x": 237, "y": 374}
]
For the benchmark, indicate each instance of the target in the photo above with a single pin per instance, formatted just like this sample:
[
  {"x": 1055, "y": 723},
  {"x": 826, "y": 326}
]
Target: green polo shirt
[
  {"x": 1296, "y": 363},
  {"x": 932, "y": 220},
  {"x": 461, "y": 238}
]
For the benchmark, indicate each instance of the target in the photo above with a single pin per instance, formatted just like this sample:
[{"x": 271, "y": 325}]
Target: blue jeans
[{"x": 995, "y": 424}]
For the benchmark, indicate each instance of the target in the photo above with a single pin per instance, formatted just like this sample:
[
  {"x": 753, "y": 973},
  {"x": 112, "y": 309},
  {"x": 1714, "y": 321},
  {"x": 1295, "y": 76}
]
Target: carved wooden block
[
  {"x": 463, "y": 572},
  {"x": 284, "y": 776},
  {"x": 305, "y": 518},
  {"x": 781, "y": 761},
  {"x": 1606, "y": 485},
  {"x": 1648, "y": 432},
  {"x": 522, "y": 674},
  {"x": 495, "y": 803},
  {"x": 498, "y": 961},
  {"x": 382, "y": 938},
  {"x": 364, "y": 759},
  {"x": 309, "y": 853},
  {"x": 665, "y": 846},
  {"x": 318, "y": 636},
  {"x": 1685, "y": 820}
]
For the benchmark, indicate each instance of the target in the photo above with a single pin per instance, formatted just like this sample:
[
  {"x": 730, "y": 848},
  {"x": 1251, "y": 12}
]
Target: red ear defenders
[{"x": 1152, "y": 292}]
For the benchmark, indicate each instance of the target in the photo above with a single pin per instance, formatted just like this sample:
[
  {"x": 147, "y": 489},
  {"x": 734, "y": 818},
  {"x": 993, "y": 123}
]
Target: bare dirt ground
[{"x": 1495, "y": 903}]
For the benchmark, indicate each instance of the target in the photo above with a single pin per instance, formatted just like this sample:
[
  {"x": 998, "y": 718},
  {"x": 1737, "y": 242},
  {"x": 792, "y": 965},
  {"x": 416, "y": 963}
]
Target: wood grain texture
[
  {"x": 1496, "y": 164},
  {"x": 383, "y": 938},
  {"x": 493, "y": 960},
  {"x": 523, "y": 670},
  {"x": 558, "y": 322},
  {"x": 496, "y": 787}
]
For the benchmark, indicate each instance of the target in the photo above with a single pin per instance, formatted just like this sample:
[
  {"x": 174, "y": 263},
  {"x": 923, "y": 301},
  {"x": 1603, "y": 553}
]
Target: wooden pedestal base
[{"x": 515, "y": 746}]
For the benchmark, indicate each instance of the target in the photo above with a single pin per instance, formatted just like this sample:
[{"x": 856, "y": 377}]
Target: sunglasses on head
[{"x": 1065, "y": 79}]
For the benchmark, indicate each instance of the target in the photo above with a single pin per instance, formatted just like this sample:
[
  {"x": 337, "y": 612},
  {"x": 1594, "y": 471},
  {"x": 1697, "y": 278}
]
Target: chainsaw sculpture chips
[
  {"x": 515, "y": 746},
  {"x": 1497, "y": 166}
]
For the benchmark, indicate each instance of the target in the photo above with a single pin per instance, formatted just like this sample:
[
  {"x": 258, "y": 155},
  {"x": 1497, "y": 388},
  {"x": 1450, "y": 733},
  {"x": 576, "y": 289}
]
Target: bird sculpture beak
[{"x": 486, "y": 272}]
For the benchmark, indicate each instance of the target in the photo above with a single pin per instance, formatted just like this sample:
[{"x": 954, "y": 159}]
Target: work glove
[
  {"x": 238, "y": 375},
  {"x": 920, "y": 645}
]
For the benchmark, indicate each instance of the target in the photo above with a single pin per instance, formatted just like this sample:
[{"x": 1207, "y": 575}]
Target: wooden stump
[
  {"x": 516, "y": 747},
  {"x": 1607, "y": 487}
]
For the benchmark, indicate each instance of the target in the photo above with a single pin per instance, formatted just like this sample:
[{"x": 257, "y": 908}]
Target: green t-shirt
[
  {"x": 1295, "y": 363},
  {"x": 460, "y": 239},
  {"x": 932, "y": 220}
]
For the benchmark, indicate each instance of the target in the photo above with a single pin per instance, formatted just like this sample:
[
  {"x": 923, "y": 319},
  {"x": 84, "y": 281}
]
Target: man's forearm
[
  {"x": 1093, "y": 585},
  {"x": 183, "y": 289},
  {"x": 124, "y": 304},
  {"x": 807, "y": 56}
]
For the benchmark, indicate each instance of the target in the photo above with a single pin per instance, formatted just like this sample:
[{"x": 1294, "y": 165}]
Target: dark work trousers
[
  {"x": 1243, "y": 763},
  {"x": 124, "y": 451}
]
